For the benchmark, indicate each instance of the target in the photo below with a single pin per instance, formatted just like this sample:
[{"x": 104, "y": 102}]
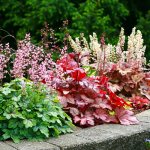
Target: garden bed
[
  {"x": 102, "y": 137},
  {"x": 42, "y": 96}
]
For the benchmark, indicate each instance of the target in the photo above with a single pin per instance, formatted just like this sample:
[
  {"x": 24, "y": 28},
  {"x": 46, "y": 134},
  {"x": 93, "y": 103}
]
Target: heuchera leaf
[
  {"x": 126, "y": 116},
  {"x": 137, "y": 77},
  {"x": 74, "y": 111},
  {"x": 101, "y": 114},
  {"x": 78, "y": 74},
  {"x": 84, "y": 120},
  {"x": 117, "y": 101},
  {"x": 67, "y": 62},
  {"x": 103, "y": 103}
]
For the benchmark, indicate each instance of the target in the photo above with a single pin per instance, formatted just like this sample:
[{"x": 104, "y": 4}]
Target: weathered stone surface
[
  {"x": 144, "y": 113},
  {"x": 27, "y": 145},
  {"x": 125, "y": 130},
  {"x": 4, "y": 146},
  {"x": 97, "y": 133},
  {"x": 132, "y": 142},
  {"x": 117, "y": 137},
  {"x": 69, "y": 141},
  {"x": 144, "y": 119}
]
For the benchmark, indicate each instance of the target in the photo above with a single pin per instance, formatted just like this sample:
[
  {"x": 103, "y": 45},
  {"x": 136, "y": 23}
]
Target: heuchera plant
[
  {"x": 31, "y": 61},
  {"x": 125, "y": 68},
  {"x": 88, "y": 99},
  {"x": 5, "y": 54}
]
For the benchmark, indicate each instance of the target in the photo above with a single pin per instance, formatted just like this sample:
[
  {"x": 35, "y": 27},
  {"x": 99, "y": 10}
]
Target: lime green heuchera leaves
[
  {"x": 90, "y": 71},
  {"x": 30, "y": 111}
]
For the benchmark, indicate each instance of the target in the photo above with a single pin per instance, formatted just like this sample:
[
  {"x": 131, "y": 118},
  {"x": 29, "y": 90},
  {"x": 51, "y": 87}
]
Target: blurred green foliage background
[{"x": 19, "y": 17}]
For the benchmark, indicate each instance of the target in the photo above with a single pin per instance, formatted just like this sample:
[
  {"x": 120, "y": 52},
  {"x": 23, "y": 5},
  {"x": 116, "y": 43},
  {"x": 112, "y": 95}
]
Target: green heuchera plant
[{"x": 29, "y": 111}]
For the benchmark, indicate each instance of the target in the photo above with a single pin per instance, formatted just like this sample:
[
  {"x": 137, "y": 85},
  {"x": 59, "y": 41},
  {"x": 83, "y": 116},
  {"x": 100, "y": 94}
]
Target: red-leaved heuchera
[{"x": 88, "y": 100}]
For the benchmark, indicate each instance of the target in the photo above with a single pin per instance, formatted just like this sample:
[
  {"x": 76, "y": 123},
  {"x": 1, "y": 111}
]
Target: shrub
[
  {"x": 30, "y": 111},
  {"x": 102, "y": 16},
  {"x": 143, "y": 25},
  {"x": 21, "y": 17},
  {"x": 28, "y": 16}
]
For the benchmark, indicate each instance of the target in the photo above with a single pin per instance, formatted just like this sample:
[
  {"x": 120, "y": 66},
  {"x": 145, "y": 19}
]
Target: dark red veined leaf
[
  {"x": 67, "y": 63},
  {"x": 78, "y": 74},
  {"x": 117, "y": 101}
]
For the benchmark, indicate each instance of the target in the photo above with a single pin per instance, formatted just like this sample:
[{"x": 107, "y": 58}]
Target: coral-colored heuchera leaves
[
  {"x": 88, "y": 99},
  {"x": 125, "y": 66}
]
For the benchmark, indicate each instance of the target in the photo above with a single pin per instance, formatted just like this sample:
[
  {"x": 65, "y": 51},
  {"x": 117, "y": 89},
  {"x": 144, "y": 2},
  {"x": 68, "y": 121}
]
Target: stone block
[
  {"x": 4, "y": 146},
  {"x": 27, "y": 145}
]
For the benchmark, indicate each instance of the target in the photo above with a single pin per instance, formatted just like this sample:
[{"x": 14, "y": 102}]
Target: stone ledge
[{"x": 102, "y": 137}]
